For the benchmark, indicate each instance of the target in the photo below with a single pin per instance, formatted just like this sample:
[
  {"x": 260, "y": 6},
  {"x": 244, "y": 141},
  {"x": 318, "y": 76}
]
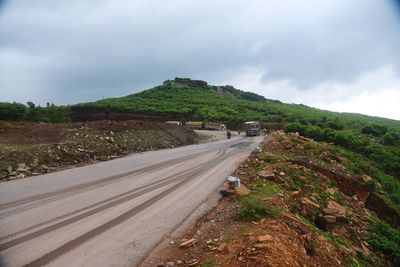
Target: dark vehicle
[{"x": 252, "y": 128}]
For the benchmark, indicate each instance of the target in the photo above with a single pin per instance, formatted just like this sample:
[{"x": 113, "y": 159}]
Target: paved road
[{"x": 111, "y": 213}]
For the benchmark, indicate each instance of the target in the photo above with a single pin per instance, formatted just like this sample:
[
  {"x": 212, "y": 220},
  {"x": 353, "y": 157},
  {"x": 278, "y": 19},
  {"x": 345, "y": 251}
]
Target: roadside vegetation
[
  {"x": 31, "y": 112},
  {"x": 253, "y": 208}
]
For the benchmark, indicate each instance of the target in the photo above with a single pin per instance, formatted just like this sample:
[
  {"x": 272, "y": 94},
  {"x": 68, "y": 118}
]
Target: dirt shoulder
[
  {"x": 34, "y": 148},
  {"x": 292, "y": 215}
]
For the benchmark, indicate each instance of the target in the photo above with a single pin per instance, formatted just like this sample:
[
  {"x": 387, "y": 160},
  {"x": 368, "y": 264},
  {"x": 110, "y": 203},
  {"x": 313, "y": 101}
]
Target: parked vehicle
[
  {"x": 214, "y": 126},
  {"x": 251, "y": 128},
  {"x": 205, "y": 125},
  {"x": 196, "y": 125},
  {"x": 174, "y": 122}
]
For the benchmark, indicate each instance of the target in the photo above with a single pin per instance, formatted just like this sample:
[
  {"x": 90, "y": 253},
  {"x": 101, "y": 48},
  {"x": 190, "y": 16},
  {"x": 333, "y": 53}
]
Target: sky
[{"x": 338, "y": 55}]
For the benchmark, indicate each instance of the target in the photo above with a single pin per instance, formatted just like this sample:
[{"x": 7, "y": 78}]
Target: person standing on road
[{"x": 228, "y": 134}]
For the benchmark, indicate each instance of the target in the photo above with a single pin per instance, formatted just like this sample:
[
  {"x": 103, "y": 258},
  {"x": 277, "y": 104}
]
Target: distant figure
[
  {"x": 239, "y": 132},
  {"x": 228, "y": 134}
]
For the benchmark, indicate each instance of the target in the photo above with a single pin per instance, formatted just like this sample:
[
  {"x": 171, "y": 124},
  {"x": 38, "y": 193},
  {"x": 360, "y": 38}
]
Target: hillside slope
[{"x": 201, "y": 101}]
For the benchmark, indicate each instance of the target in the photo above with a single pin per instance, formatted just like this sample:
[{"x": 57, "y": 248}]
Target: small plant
[
  {"x": 209, "y": 263},
  {"x": 295, "y": 207},
  {"x": 252, "y": 208},
  {"x": 229, "y": 238},
  {"x": 339, "y": 198}
]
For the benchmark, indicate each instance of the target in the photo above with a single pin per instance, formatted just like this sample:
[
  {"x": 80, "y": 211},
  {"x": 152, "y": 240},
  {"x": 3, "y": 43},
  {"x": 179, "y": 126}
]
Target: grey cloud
[{"x": 73, "y": 51}]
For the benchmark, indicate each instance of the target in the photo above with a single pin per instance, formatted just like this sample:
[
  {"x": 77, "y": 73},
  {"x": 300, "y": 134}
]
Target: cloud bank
[{"x": 334, "y": 54}]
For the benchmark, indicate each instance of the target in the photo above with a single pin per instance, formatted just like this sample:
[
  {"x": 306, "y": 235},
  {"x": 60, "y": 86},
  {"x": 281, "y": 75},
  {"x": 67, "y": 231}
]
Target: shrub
[
  {"x": 12, "y": 111},
  {"x": 390, "y": 139},
  {"x": 386, "y": 239},
  {"x": 374, "y": 129},
  {"x": 295, "y": 127}
]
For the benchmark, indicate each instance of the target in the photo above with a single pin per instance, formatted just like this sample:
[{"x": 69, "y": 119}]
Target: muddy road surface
[{"x": 111, "y": 213}]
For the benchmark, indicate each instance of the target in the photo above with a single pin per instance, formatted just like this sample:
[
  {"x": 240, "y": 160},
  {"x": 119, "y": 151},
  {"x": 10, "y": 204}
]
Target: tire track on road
[
  {"x": 91, "y": 185},
  {"x": 102, "y": 205},
  {"x": 52, "y": 255}
]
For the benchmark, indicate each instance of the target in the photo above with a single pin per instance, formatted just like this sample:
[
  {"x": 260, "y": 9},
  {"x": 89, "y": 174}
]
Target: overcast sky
[{"x": 334, "y": 54}]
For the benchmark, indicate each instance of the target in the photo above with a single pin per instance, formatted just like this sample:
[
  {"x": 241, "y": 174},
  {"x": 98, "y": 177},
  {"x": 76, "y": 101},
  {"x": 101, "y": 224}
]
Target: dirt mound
[{"x": 29, "y": 149}]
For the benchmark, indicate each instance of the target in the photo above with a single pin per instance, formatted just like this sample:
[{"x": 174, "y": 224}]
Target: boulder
[
  {"x": 327, "y": 211},
  {"x": 366, "y": 178},
  {"x": 188, "y": 243},
  {"x": 223, "y": 248},
  {"x": 308, "y": 202},
  {"x": 267, "y": 175},
  {"x": 35, "y": 162},
  {"x": 262, "y": 246},
  {"x": 329, "y": 219},
  {"x": 9, "y": 169},
  {"x": 242, "y": 190},
  {"x": 264, "y": 238},
  {"x": 331, "y": 190},
  {"x": 334, "y": 205}
]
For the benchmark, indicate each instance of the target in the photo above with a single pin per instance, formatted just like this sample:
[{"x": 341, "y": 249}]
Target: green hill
[
  {"x": 377, "y": 139},
  {"x": 225, "y": 103}
]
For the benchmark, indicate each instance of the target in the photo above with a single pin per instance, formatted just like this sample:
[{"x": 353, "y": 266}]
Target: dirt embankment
[
  {"x": 295, "y": 213},
  {"x": 29, "y": 149},
  {"x": 82, "y": 114}
]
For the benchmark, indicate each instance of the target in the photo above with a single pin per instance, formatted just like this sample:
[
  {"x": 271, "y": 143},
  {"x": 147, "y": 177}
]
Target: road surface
[{"x": 111, "y": 213}]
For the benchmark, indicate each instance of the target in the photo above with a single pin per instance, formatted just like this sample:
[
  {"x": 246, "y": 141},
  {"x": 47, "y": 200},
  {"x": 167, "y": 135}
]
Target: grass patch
[
  {"x": 252, "y": 208},
  {"x": 340, "y": 240},
  {"x": 264, "y": 188}
]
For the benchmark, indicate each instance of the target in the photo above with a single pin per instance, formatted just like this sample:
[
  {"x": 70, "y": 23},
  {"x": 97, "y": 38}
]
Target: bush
[
  {"x": 390, "y": 139},
  {"x": 12, "y": 111},
  {"x": 336, "y": 125},
  {"x": 374, "y": 129},
  {"x": 386, "y": 239},
  {"x": 315, "y": 133},
  {"x": 295, "y": 127}
]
